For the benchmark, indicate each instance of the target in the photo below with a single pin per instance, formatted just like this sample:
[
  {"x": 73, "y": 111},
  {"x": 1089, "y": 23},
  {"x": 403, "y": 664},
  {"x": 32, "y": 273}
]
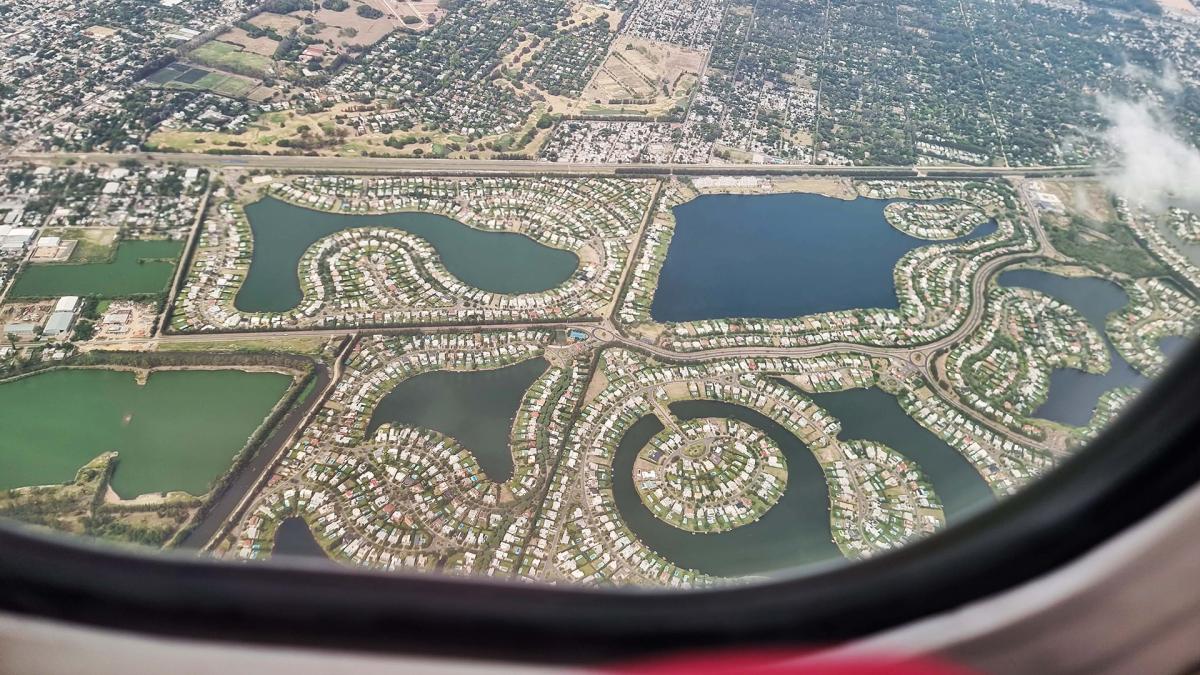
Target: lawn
[
  {"x": 232, "y": 58},
  {"x": 308, "y": 346},
  {"x": 226, "y": 85}
]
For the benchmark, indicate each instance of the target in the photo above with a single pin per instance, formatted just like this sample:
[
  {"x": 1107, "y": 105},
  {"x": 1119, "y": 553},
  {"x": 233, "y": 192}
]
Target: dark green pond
[
  {"x": 179, "y": 431},
  {"x": 475, "y": 408},
  {"x": 499, "y": 262},
  {"x": 138, "y": 268},
  {"x": 293, "y": 538}
]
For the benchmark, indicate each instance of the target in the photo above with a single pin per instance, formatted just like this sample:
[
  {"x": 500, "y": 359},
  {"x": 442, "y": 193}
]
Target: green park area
[{"x": 231, "y": 57}]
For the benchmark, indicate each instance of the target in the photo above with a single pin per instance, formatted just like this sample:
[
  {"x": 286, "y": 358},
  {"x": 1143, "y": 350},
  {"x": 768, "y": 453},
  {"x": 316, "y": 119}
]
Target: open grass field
[
  {"x": 167, "y": 74},
  {"x": 226, "y": 84},
  {"x": 100, "y": 32},
  {"x": 233, "y": 58},
  {"x": 185, "y": 76},
  {"x": 260, "y": 135},
  {"x": 655, "y": 76},
  {"x": 263, "y": 133},
  {"x": 308, "y": 346},
  {"x": 1086, "y": 198}
]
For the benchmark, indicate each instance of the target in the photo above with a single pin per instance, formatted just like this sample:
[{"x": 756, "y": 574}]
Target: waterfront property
[
  {"x": 1074, "y": 394},
  {"x": 475, "y": 408},
  {"x": 412, "y": 250},
  {"x": 874, "y": 415},
  {"x": 794, "y": 532},
  {"x": 498, "y": 262},
  {"x": 137, "y": 268},
  {"x": 178, "y": 431},
  {"x": 780, "y": 255}
]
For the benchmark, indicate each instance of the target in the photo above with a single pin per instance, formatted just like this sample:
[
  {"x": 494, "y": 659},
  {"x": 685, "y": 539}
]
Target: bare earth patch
[
  {"x": 260, "y": 45},
  {"x": 645, "y": 75}
]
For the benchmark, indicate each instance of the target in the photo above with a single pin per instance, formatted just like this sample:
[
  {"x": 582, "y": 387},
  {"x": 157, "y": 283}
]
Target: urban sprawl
[{"x": 141, "y": 147}]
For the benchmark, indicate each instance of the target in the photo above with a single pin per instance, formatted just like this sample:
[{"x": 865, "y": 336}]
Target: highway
[{"x": 406, "y": 165}]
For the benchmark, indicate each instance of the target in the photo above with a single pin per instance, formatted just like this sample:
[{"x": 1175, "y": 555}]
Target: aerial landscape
[{"x": 609, "y": 292}]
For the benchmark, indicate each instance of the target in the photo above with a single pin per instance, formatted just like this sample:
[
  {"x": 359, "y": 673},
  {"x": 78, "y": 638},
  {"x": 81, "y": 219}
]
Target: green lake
[
  {"x": 499, "y": 262},
  {"x": 139, "y": 267},
  {"x": 179, "y": 431}
]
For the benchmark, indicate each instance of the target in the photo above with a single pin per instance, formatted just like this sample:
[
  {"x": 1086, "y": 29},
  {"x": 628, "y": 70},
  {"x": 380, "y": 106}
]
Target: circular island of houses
[{"x": 710, "y": 475}]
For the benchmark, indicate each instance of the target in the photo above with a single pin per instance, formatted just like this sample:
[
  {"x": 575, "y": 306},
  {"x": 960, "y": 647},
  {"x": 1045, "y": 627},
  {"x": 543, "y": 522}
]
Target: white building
[{"x": 17, "y": 239}]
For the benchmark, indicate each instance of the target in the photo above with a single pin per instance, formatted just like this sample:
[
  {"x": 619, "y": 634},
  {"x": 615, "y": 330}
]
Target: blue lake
[
  {"x": 793, "y": 535},
  {"x": 1074, "y": 393},
  {"x": 294, "y": 539},
  {"x": 1174, "y": 346},
  {"x": 874, "y": 415},
  {"x": 780, "y": 255}
]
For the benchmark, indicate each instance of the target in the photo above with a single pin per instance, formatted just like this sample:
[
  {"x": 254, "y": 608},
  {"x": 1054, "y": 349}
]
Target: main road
[{"x": 402, "y": 165}]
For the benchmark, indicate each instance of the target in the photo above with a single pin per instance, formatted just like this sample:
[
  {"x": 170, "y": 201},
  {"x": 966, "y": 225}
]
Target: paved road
[
  {"x": 484, "y": 166},
  {"x": 181, "y": 269}
]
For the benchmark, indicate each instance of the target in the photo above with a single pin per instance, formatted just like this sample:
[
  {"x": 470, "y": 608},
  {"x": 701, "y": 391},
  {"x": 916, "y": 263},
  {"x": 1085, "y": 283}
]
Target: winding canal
[
  {"x": 499, "y": 262},
  {"x": 793, "y": 533},
  {"x": 1073, "y": 393}
]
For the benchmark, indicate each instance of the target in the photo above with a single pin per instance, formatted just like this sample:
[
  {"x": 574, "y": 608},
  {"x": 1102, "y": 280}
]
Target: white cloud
[
  {"x": 1156, "y": 166},
  {"x": 1171, "y": 82}
]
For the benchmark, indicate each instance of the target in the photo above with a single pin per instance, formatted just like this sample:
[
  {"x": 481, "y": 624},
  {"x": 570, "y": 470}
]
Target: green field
[
  {"x": 223, "y": 84},
  {"x": 139, "y": 268},
  {"x": 231, "y": 57},
  {"x": 179, "y": 431},
  {"x": 309, "y": 346}
]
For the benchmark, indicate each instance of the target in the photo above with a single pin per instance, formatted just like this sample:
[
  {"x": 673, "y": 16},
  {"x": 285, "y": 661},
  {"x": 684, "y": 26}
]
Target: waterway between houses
[
  {"x": 795, "y": 533},
  {"x": 500, "y": 262},
  {"x": 1073, "y": 393}
]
